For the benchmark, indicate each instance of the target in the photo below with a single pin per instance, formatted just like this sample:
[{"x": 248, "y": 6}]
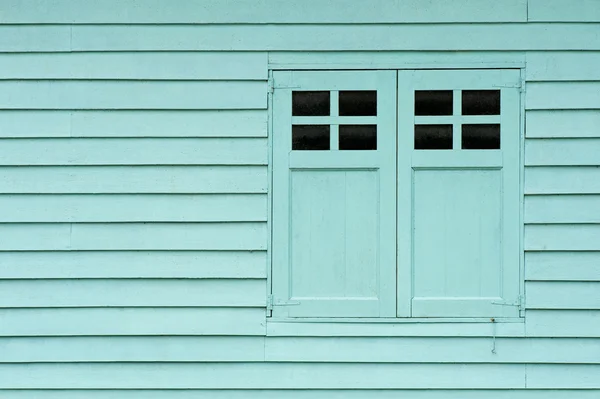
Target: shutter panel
[
  {"x": 334, "y": 182},
  {"x": 458, "y": 193}
]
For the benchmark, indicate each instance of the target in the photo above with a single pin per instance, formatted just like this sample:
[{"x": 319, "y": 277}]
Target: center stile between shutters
[{"x": 396, "y": 194}]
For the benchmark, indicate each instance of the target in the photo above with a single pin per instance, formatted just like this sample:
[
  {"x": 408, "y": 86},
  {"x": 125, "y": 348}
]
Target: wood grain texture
[
  {"x": 16, "y": 38},
  {"x": 563, "y": 376},
  {"x": 562, "y": 266},
  {"x": 563, "y": 66},
  {"x": 563, "y": 123},
  {"x": 562, "y": 180},
  {"x": 563, "y": 95},
  {"x": 563, "y": 323},
  {"x": 563, "y": 295},
  {"x": 562, "y": 237},
  {"x": 562, "y": 209},
  {"x": 564, "y": 10},
  {"x": 562, "y": 152}
]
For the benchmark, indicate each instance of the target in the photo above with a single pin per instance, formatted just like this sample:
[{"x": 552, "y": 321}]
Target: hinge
[
  {"x": 270, "y": 85},
  {"x": 518, "y": 85},
  {"x": 270, "y": 302}
]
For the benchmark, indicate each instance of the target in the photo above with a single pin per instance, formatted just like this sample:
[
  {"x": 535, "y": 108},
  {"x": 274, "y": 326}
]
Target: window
[{"x": 396, "y": 194}]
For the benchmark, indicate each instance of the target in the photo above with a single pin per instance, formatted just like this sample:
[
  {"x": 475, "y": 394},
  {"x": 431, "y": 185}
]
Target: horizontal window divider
[
  {"x": 334, "y": 120},
  {"x": 464, "y": 119}
]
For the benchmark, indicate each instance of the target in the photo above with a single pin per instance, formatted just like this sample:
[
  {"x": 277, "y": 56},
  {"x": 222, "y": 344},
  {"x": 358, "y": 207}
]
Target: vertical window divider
[
  {"x": 457, "y": 119},
  {"x": 334, "y": 129}
]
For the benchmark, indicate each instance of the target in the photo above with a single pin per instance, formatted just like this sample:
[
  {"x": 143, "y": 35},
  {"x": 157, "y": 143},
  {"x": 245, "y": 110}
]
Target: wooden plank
[
  {"x": 136, "y": 66},
  {"x": 431, "y": 350},
  {"x": 138, "y": 151},
  {"x": 562, "y": 237},
  {"x": 563, "y": 123},
  {"x": 564, "y": 10},
  {"x": 363, "y": 37},
  {"x": 562, "y": 180},
  {"x": 131, "y": 321},
  {"x": 69, "y": 94},
  {"x": 420, "y": 328},
  {"x": 261, "y": 11},
  {"x": 563, "y": 95},
  {"x": 562, "y": 209},
  {"x": 563, "y": 66},
  {"x": 131, "y": 349},
  {"x": 133, "y": 264},
  {"x": 133, "y": 179},
  {"x": 17, "y": 38},
  {"x": 301, "y": 394},
  {"x": 563, "y": 295},
  {"x": 562, "y": 152},
  {"x": 208, "y": 123},
  {"x": 133, "y": 208},
  {"x": 260, "y": 375},
  {"x": 563, "y": 323},
  {"x": 132, "y": 293},
  {"x": 552, "y": 376},
  {"x": 562, "y": 266}
]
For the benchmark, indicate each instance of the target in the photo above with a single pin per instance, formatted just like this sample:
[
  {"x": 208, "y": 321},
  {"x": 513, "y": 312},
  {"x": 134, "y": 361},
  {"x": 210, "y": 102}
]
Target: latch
[
  {"x": 518, "y": 303},
  {"x": 271, "y": 303}
]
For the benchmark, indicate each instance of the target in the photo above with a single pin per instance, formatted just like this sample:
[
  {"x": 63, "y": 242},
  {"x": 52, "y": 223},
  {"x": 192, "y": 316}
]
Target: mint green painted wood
[
  {"x": 562, "y": 180},
  {"x": 300, "y": 37},
  {"x": 261, "y": 375},
  {"x": 562, "y": 237},
  {"x": 69, "y": 94},
  {"x": 138, "y": 151},
  {"x": 133, "y": 208},
  {"x": 450, "y": 260},
  {"x": 133, "y": 180},
  {"x": 133, "y": 264},
  {"x": 563, "y": 10},
  {"x": 559, "y": 152},
  {"x": 562, "y": 266},
  {"x": 334, "y": 211},
  {"x": 118, "y": 123},
  {"x": 563, "y": 295},
  {"x": 563, "y": 123},
  {"x": 261, "y": 11},
  {"x": 132, "y": 293},
  {"x": 135, "y": 66},
  {"x": 562, "y": 209},
  {"x": 563, "y": 323},
  {"x": 563, "y": 66},
  {"x": 15, "y": 38},
  {"x": 133, "y": 236},
  {"x": 131, "y": 321},
  {"x": 562, "y": 376},
  {"x": 563, "y": 95}
]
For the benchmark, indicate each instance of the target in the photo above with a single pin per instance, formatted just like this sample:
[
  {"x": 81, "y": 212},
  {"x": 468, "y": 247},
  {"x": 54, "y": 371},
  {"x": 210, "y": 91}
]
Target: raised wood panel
[
  {"x": 563, "y": 295},
  {"x": 563, "y": 123},
  {"x": 132, "y": 293},
  {"x": 562, "y": 266},
  {"x": 135, "y": 66},
  {"x": 133, "y": 236},
  {"x": 432, "y": 350},
  {"x": 133, "y": 264},
  {"x": 262, "y": 11},
  {"x": 562, "y": 209},
  {"x": 132, "y": 179},
  {"x": 563, "y": 323},
  {"x": 133, "y": 208},
  {"x": 563, "y": 95},
  {"x": 563, "y": 66},
  {"x": 299, "y": 37},
  {"x": 564, "y": 10},
  {"x": 71, "y": 95},
  {"x": 261, "y": 375},
  {"x": 138, "y": 151},
  {"x": 118, "y": 123},
  {"x": 131, "y": 321},
  {"x": 562, "y": 180},
  {"x": 562, "y": 237},
  {"x": 16, "y": 38},
  {"x": 131, "y": 349},
  {"x": 549, "y": 376},
  {"x": 562, "y": 152}
]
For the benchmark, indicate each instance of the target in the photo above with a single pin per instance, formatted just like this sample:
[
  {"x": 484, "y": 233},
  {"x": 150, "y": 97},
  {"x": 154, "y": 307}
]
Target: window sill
[{"x": 422, "y": 327}]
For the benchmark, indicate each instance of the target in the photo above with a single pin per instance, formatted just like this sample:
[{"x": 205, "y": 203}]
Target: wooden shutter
[
  {"x": 334, "y": 182},
  {"x": 458, "y": 193}
]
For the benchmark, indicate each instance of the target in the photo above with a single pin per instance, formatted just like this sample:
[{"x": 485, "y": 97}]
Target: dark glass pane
[
  {"x": 481, "y": 102},
  {"x": 358, "y": 137},
  {"x": 433, "y": 102},
  {"x": 310, "y": 137},
  {"x": 310, "y": 103},
  {"x": 433, "y": 137},
  {"x": 480, "y": 137},
  {"x": 358, "y": 103}
]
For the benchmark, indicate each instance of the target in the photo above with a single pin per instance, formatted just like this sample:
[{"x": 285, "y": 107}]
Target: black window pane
[
  {"x": 480, "y": 137},
  {"x": 433, "y": 137},
  {"x": 358, "y": 137},
  {"x": 358, "y": 103},
  {"x": 481, "y": 102},
  {"x": 433, "y": 102},
  {"x": 310, "y": 137},
  {"x": 310, "y": 103}
]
